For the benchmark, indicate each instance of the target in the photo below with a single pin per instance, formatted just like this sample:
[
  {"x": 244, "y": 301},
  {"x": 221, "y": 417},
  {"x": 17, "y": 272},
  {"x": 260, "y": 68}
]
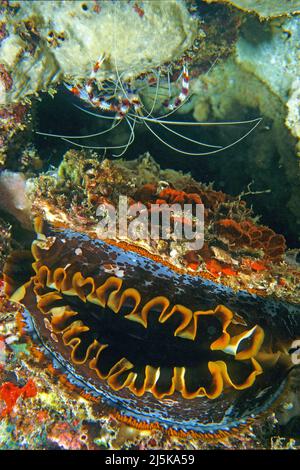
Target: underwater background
[{"x": 163, "y": 101}]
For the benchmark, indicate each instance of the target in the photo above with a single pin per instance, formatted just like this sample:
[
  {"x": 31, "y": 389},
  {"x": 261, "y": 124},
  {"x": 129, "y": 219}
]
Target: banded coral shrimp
[
  {"x": 122, "y": 102},
  {"x": 121, "y": 98}
]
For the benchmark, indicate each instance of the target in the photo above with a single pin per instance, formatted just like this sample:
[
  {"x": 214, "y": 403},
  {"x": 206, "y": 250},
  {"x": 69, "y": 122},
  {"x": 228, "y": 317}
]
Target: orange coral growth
[
  {"x": 255, "y": 265},
  {"x": 173, "y": 196},
  {"x": 191, "y": 258},
  {"x": 211, "y": 199},
  {"x": 65, "y": 436},
  {"x": 276, "y": 246},
  {"x": 282, "y": 282},
  {"x": 42, "y": 416},
  {"x": 21, "y": 324},
  {"x": 10, "y": 394},
  {"x": 228, "y": 271},
  {"x": 233, "y": 232},
  {"x": 247, "y": 234},
  {"x": 146, "y": 193},
  {"x": 216, "y": 268}
]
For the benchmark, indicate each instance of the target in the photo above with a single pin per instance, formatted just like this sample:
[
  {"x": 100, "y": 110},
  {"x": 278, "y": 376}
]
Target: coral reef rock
[
  {"x": 264, "y": 8},
  {"x": 260, "y": 77},
  {"x": 47, "y": 42}
]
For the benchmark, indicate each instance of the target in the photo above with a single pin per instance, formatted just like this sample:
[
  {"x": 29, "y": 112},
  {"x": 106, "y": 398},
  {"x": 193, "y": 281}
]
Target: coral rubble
[{"x": 5, "y": 241}]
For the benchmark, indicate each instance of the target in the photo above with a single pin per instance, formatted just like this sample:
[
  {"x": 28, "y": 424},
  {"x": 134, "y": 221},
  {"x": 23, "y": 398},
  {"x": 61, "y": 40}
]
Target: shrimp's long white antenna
[
  {"x": 94, "y": 114},
  {"x": 114, "y": 124},
  {"x": 116, "y": 65},
  {"x": 188, "y": 138},
  {"x": 202, "y": 153},
  {"x": 212, "y": 65},
  {"x": 106, "y": 147},
  {"x": 149, "y": 113},
  {"x": 217, "y": 123},
  {"x": 118, "y": 82},
  {"x": 169, "y": 84},
  {"x": 131, "y": 137},
  {"x": 177, "y": 108}
]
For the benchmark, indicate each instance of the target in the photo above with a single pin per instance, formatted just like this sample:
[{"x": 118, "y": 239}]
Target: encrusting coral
[{"x": 5, "y": 241}]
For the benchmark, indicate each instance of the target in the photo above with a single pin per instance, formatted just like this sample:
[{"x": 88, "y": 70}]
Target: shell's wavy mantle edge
[{"x": 114, "y": 347}]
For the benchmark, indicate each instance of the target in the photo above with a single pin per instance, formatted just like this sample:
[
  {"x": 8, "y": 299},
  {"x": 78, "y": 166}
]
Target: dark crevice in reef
[{"x": 20, "y": 236}]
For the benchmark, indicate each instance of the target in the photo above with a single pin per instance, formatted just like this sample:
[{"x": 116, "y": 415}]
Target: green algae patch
[
  {"x": 19, "y": 349},
  {"x": 6, "y": 440},
  {"x": 264, "y": 8}
]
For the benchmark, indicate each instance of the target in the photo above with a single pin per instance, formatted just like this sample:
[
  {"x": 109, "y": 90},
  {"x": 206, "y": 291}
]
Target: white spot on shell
[
  {"x": 119, "y": 273},
  {"x": 11, "y": 339},
  {"x": 54, "y": 337},
  {"x": 78, "y": 251},
  {"x": 48, "y": 324},
  {"x": 288, "y": 406}
]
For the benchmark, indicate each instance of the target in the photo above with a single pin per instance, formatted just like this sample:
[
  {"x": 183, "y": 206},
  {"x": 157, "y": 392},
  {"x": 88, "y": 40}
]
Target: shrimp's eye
[{"x": 84, "y": 6}]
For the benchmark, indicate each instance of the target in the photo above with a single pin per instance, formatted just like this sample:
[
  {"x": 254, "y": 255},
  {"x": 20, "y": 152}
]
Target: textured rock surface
[
  {"x": 261, "y": 77},
  {"x": 47, "y": 42},
  {"x": 264, "y": 8}
]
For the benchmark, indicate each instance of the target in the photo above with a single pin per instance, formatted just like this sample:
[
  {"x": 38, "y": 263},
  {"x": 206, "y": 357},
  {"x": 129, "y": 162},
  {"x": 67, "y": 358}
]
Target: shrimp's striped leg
[
  {"x": 78, "y": 91},
  {"x": 85, "y": 93},
  {"x": 185, "y": 85},
  {"x": 91, "y": 80}
]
